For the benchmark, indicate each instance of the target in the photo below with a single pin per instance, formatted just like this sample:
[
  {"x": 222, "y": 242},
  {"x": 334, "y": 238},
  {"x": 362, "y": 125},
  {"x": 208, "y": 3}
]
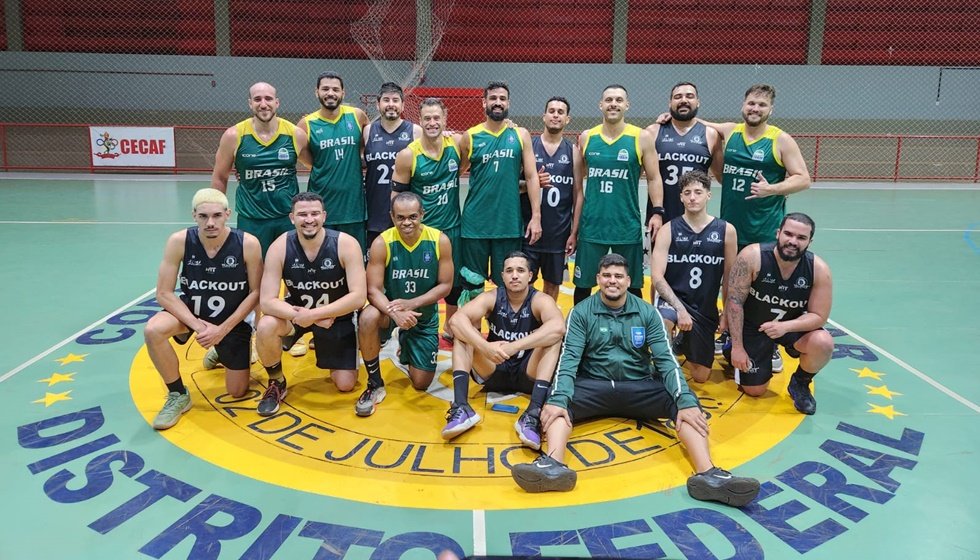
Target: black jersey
[
  {"x": 771, "y": 298},
  {"x": 379, "y": 154},
  {"x": 509, "y": 325},
  {"x": 696, "y": 265},
  {"x": 679, "y": 154},
  {"x": 556, "y": 201},
  {"x": 213, "y": 288},
  {"x": 314, "y": 283}
]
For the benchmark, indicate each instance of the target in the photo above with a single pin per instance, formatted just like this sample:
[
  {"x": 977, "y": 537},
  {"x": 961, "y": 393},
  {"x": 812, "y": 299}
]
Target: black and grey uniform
[
  {"x": 679, "y": 154},
  {"x": 214, "y": 288},
  {"x": 695, "y": 268},
  {"x": 316, "y": 283},
  {"x": 772, "y": 298},
  {"x": 548, "y": 253},
  {"x": 509, "y": 325},
  {"x": 379, "y": 155}
]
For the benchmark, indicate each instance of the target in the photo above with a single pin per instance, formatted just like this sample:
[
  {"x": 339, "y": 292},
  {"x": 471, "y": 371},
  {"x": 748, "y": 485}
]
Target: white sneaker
[
  {"x": 777, "y": 360},
  {"x": 299, "y": 348}
]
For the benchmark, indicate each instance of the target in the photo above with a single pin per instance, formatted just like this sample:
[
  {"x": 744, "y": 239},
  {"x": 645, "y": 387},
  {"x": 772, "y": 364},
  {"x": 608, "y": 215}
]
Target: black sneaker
[
  {"x": 720, "y": 343},
  {"x": 802, "y": 397},
  {"x": 544, "y": 475},
  {"x": 274, "y": 394},
  {"x": 719, "y": 485}
]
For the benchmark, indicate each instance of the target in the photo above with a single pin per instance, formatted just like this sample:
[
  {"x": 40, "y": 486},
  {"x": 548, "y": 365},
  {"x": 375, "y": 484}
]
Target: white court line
[
  {"x": 479, "y": 532},
  {"x": 33, "y": 360},
  {"x": 87, "y": 223},
  {"x": 885, "y": 230},
  {"x": 942, "y": 388}
]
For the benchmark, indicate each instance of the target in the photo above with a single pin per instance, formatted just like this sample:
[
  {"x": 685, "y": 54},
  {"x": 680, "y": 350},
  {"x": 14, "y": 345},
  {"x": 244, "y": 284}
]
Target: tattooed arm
[
  {"x": 658, "y": 267},
  {"x": 739, "y": 280}
]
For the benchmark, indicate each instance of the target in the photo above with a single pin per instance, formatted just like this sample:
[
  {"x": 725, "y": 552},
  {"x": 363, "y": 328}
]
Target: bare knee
[
  {"x": 368, "y": 318},
  {"x": 345, "y": 381},
  {"x": 700, "y": 373},
  {"x": 821, "y": 344},
  {"x": 755, "y": 390},
  {"x": 159, "y": 327},
  {"x": 236, "y": 384},
  {"x": 268, "y": 327}
]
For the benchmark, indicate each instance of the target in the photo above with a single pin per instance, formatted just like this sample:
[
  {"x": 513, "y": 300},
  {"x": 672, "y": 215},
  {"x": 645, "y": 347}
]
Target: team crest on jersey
[
  {"x": 403, "y": 136},
  {"x": 768, "y": 279},
  {"x": 758, "y": 155},
  {"x": 297, "y": 264},
  {"x": 563, "y": 159},
  {"x": 623, "y": 155},
  {"x": 713, "y": 237},
  {"x": 230, "y": 262},
  {"x": 452, "y": 165},
  {"x": 638, "y": 336},
  {"x": 350, "y": 126},
  {"x": 327, "y": 264},
  {"x": 426, "y": 256},
  {"x": 510, "y": 139},
  {"x": 801, "y": 282},
  {"x": 283, "y": 154},
  {"x": 696, "y": 140}
]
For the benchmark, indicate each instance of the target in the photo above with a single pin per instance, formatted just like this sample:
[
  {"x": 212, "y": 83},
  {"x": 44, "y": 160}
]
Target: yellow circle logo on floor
[{"x": 397, "y": 457}]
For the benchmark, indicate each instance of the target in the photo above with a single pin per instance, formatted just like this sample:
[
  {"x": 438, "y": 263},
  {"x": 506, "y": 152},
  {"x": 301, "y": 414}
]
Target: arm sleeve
[
  {"x": 666, "y": 365},
  {"x": 399, "y": 187},
  {"x": 571, "y": 357}
]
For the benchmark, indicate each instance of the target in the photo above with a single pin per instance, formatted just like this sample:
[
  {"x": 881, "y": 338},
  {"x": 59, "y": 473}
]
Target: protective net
[{"x": 877, "y": 89}]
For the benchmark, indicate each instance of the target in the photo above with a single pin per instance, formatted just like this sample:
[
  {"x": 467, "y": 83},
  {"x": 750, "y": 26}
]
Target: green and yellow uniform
[
  {"x": 266, "y": 180},
  {"x": 492, "y": 212},
  {"x": 755, "y": 220},
  {"x": 335, "y": 146},
  {"x": 611, "y": 212},
  {"x": 411, "y": 271},
  {"x": 436, "y": 181}
]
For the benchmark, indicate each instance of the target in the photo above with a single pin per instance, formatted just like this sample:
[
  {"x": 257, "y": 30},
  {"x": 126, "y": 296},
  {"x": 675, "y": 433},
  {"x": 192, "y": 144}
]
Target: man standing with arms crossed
[
  {"x": 410, "y": 270},
  {"x": 324, "y": 275},
  {"x": 383, "y": 139},
  {"x": 614, "y": 153},
  {"x": 691, "y": 259},
  {"x": 561, "y": 197},
  {"x": 491, "y": 221}
]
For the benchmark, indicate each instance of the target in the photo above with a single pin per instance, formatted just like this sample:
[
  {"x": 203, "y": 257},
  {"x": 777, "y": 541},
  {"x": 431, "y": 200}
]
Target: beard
[
  {"x": 692, "y": 112},
  {"x": 789, "y": 257},
  {"x": 336, "y": 103},
  {"x": 503, "y": 114}
]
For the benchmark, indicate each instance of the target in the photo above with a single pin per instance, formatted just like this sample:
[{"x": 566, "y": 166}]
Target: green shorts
[
  {"x": 357, "y": 230},
  {"x": 587, "y": 255},
  {"x": 266, "y": 231},
  {"x": 476, "y": 253},
  {"x": 419, "y": 345}
]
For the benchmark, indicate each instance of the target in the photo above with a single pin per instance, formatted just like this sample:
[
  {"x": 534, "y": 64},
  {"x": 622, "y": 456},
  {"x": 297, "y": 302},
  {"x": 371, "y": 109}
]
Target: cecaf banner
[{"x": 132, "y": 146}]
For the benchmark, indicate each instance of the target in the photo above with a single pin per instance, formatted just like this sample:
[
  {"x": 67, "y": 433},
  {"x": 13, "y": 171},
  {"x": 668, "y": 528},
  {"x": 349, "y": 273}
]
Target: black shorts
[
  {"x": 643, "y": 399},
  {"x": 697, "y": 344},
  {"x": 551, "y": 265},
  {"x": 760, "y": 347},
  {"x": 510, "y": 377},
  {"x": 336, "y": 347},
  {"x": 234, "y": 350}
]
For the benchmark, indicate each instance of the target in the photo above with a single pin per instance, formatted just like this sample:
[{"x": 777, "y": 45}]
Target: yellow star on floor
[
  {"x": 867, "y": 372},
  {"x": 882, "y": 391},
  {"x": 71, "y": 358},
  {"x": 51, "y": 398},
  {"x": 888, "y": 411},
  {"x": 57, "y": 378}
]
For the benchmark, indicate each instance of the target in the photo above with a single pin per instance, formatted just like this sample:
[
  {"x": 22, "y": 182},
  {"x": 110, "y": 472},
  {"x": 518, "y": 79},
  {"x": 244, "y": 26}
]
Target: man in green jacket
[{"x": 616, "y": 361}]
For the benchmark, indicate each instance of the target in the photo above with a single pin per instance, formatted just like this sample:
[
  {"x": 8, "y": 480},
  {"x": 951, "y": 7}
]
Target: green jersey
[
  {"x": 266, "y": 171},
  {"x": 335, "y": 146},
  {"x": 412, "y": 271},
  {"x": 436, "y": 181},
  {"x": 755, "y": 220},
  {"x": 493, "y": 204},
  {"x": 611, "y": 211}
]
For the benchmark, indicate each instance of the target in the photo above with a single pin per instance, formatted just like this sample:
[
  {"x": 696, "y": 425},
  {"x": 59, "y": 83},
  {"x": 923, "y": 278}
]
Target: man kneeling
[{"x": 616, "y": 361}]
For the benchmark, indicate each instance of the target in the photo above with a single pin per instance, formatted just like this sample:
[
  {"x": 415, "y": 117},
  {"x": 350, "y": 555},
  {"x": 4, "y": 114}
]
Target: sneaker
[
  {"x": 802, "y": 397},
  {"x": 544, "y": 475},
  {"x": 719, "y": 485},
  {"x": 211, "y": 360},
  {"x": 298, "y": 349},
  {"x": 676, "y": 343},
  {"x": 275, "y": 393},
  {"x": 176, "y": 405},
  {"x": 458, "y": 420},
  {"x": 720, "y": 343},
  {"x": 528, "y": 430},
  {"x": 777, "y": 360},
  {"x": 367, "y": 403},
  {"x": 311, "y": 344}
]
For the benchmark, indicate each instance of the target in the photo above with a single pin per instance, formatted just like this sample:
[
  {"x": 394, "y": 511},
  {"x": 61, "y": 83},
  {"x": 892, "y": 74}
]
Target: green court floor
[{"x": 883, "y": 470}]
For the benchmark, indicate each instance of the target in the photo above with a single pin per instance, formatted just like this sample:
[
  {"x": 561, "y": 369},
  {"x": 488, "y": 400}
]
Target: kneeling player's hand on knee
[
  {"x": 550, "y": 414},
  {"x": 694, "y": 417}
]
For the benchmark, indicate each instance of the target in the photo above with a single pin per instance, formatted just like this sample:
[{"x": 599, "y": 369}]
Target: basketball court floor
[{"x": 885, "y": 469}]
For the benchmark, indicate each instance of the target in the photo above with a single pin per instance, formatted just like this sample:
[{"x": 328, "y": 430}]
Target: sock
[
  {"x": 461, "y": 387},
  {"x": 803, "y": 376},
  {"x": 638, "y": 292},
  {"x": 538, "y": 395},
  {"x": 581, "y": 294},
  {"x": 374, "y": 372},
  {"x": 275, "y": 372},
  {"x": 177, "y": 387}
]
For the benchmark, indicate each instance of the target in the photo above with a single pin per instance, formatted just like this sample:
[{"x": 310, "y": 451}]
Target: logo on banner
[{"x": 132, "y": 146}]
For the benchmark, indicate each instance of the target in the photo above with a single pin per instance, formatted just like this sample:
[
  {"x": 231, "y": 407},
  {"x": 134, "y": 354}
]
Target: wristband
[
  {"x": 658, "y": 210},
  {"x": 402, "y": 187}
]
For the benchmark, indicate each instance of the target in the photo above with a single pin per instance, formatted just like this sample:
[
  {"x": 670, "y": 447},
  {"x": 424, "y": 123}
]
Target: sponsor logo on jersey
[
  {"x": 696, "y": 140},
  {"x": 193, "y": 261},
  {"x": 211, "y": 270},
  {"x": 390, "y": 143},
  {"x": 563, "y": 159},
  {"x": 768, "y": 279},
  {"x": 230, "y": 262},
  {"x": 713, "y": 237},
  {"x": 623, "y": 155},
  {"x": 297, "y": 264},
  {"x": 453, "y": 166},
  {"x": 327, "y": 264},
  {"x": 758, "y": 155},
  {"x": 403, "y": 136},
  {"x": 801, "y": 282}
]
